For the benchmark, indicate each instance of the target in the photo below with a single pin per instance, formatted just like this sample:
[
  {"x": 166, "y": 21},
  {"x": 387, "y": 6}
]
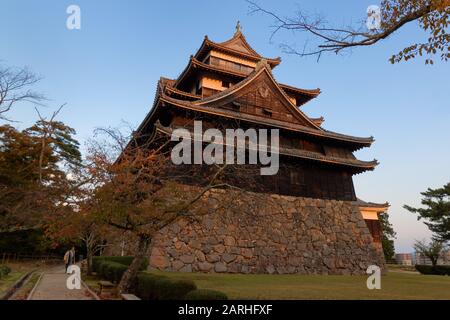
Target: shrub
[
  {"x": 146, "y": 285},
  {"x": 100, "y": 267},
  {"x": 177, "y": 290},
  {"x": 437, "y": 270},
  {"x": 205, "y": 294},
  {"x": 111, "y": 271},
  {"x": 156, "y": 287},
  {"x": 4, "y": 270},
  {"x": 96, "y": 263},
  {"x": 443, "y": 270},
  {"x": 122, "y": 260}
]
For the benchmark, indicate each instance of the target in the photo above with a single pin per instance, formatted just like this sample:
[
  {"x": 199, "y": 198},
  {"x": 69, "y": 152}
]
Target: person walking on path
[
  {"x": 69, "y": 258},
  {"x": 53, "y": 286}
]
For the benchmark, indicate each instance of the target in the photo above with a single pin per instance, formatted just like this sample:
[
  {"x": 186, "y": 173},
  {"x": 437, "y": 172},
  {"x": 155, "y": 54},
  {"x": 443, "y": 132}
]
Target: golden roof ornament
[{"x": 238, "y": 28}]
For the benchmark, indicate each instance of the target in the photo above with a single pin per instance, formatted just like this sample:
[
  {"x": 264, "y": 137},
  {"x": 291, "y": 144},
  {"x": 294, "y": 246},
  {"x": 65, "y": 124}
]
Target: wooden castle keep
[{"x": 231, "y": 84}]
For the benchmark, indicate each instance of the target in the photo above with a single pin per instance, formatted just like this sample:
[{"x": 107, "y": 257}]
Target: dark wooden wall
[
  {"x": 296, "y": 177},
  {"x": 302, "y": 179},
  {"x": 374, "y": 227}
]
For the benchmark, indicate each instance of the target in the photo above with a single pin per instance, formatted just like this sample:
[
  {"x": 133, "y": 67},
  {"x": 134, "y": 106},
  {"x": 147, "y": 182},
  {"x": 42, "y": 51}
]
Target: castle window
[
  {"x": 297, "y": 178},
  {"x": 267, "y": 112},
  {"x": 236, "y": 105}
]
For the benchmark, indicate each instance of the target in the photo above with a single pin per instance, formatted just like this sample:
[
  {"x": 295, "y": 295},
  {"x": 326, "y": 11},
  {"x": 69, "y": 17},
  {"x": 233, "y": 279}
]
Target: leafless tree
[{"x": 15, "y": 87}]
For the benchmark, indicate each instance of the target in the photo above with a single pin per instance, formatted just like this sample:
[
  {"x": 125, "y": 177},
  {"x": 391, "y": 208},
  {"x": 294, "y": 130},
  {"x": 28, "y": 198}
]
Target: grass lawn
[
  {"x": 24, "y": 291},
  {"x": 396, "y": 267},
  {"x": 394, "y": 285},
  {"x": 9, "y": 280},
  {"x": 91, "y": 282},
  {"x": 17, "y": 271}
]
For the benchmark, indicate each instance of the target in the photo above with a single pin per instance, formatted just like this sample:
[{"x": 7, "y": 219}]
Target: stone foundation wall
[{"x": 272, "y": 234}]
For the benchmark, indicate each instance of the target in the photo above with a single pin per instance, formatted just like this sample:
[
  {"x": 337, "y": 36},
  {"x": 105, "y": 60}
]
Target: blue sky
[{"x": 107, "y": 72}]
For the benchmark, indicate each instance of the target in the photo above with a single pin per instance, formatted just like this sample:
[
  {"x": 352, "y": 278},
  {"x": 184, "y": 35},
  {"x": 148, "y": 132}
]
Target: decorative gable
[
  {"x": 237, "y": 43},
  {"x": 259, "y": 95}
]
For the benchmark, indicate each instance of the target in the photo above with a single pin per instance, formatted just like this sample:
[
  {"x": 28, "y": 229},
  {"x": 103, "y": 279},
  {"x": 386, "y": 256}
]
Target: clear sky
[{"x": 107, "y": 72}]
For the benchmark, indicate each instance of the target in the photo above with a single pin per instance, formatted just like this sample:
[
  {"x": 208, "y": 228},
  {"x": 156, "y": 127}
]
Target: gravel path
[{"x": 52, "y": 286}]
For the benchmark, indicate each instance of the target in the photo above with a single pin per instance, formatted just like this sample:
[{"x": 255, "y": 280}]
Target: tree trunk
[
  {"x": 434, "y": 261},
  {"x": 89, "y": 261},
  {"x": 129, "y": 277},
  {"x": 89, "y": 252}
]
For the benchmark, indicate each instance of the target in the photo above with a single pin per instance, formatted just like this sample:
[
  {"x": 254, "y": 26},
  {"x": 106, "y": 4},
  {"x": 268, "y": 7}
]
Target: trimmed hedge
[
  {"x": 4, "y": 270},
  {"x": 151, "y": 286},
  {"x": 122, "y": 260},
  {"x": 205, "y": 294},
  {"x": 437, "y": 270},
  {"x": 156, "y": 287},
  {"x": 111, "y": 271}
]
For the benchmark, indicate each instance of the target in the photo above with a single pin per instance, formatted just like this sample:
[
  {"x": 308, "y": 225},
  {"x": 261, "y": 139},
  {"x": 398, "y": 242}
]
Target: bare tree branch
[
  {"x": 15, "y": 87},
  {"x": 431, "y": 14}
]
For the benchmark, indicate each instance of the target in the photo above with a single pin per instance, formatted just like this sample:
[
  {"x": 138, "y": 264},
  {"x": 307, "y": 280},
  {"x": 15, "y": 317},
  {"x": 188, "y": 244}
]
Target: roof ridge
[
  {"x": 181, "y": 92},
  {"x": 314, "y": 92},
  {"x": 208, "y": 43},
  {"x": 362, "y": 203},
  {"x": 238, "y": 35}
]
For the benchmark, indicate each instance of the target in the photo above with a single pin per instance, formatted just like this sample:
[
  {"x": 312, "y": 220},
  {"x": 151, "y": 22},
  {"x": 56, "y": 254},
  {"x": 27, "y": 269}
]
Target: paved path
[{"x": 52, "y": 286}]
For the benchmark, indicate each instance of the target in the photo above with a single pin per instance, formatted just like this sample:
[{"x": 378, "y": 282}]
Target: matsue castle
[{"x": 318, "y": 225}]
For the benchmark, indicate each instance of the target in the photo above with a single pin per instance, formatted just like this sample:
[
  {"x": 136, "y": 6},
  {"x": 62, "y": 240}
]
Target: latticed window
[{"x": 297, "y": 178}]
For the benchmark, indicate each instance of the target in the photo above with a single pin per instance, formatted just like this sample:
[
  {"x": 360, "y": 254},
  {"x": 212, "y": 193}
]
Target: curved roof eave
[
  {"x": 207, "y": 43},
  {"x": 363, "y": 142},
  {"x": 261, "y": 67},
  {"x": 307, "y": 155}
]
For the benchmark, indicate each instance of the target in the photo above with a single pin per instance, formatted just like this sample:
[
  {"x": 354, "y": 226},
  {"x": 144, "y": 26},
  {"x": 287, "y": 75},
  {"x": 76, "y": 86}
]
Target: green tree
[
  {"x": 436, "y": 211},
  {"x": 388, "y": 236},
  {"x": 432, "y": 251},
  {"x": 34, "y": 172}
]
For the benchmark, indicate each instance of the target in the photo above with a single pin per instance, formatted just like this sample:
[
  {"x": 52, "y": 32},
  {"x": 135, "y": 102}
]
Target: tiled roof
[
  {"x": 202, "y": 106},
  {"x": 307, "y": 94},
  {"x": 362, "y": 203},
  {"x": 303, "y": 154}
]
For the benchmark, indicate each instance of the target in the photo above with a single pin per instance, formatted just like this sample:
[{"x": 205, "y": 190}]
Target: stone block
[
  {"x": 220, "y": 267},
  {"x": 212, "y": 257},
  {"x": 159, "y": 262},
  {"x": 227, "y": 257},
  {"x": 205, "y": 266},
  {"x": 229, "y": 241},
  {"x": 187, "y": 258}
]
